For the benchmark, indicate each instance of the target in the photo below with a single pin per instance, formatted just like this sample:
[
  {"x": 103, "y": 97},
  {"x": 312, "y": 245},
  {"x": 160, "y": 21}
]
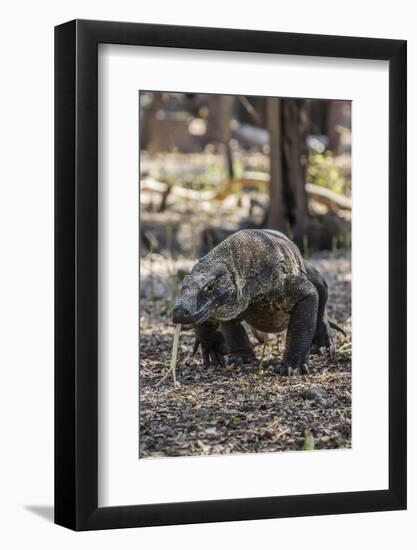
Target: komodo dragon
[{"x": 256, "y": 276}]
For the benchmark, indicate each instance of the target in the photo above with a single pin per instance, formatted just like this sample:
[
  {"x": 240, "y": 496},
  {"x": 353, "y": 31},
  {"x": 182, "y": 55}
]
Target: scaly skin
[{"x": 256, "y": 276}]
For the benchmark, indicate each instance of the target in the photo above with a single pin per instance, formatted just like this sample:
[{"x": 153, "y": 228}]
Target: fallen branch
[{"x": 328, "y": 198}]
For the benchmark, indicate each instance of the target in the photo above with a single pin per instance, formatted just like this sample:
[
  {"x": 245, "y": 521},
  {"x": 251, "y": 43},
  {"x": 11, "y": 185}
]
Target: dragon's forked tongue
[
  {"x": 174, "y": 356},
  {"x": 175, "y": 351}
]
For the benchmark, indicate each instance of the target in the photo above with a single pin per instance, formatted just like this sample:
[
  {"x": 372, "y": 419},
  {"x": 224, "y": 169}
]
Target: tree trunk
[
  {"x": 338, "y": 116},
  {"x": 288, "y": 198},
  {"x": 295, "y": 157},
  {"x": 218, "y": 125},
  {"x": 148, "y": 122},
  {"x": 276, "y": 215}
]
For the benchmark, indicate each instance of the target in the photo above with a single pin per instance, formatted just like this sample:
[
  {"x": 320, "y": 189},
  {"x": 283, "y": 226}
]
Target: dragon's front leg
[
  {"x": 212, "y": 343},
  {"x": 238, "y": 347},
  {"x": 301, "y": 326}
]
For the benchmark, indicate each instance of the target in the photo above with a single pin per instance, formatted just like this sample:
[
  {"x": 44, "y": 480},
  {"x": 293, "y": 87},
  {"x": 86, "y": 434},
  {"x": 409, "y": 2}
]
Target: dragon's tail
[{"x": 334, "y": 325}]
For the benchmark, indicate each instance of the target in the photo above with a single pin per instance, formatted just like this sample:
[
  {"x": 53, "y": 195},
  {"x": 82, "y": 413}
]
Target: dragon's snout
[
  {"x": 181, "y": 314},
  {"x": 186, "y": 313}
]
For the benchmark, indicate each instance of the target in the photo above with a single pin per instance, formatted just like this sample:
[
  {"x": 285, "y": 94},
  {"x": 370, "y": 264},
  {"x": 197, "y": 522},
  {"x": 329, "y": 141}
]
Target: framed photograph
[{"x": 230, "y": 255}]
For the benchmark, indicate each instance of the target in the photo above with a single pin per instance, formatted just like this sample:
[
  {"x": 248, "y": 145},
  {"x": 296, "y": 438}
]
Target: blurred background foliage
[
  {"x": 323, "y": 169},
  {"x": 213, "y": 164}
]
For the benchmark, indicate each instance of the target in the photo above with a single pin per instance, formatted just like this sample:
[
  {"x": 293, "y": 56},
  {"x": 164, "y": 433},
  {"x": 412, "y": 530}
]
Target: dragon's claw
[
  {"x": 283, "y": 370},
  {"x": 240, "y": 359}
]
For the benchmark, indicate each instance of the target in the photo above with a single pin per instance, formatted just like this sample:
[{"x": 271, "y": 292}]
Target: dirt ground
[{"x": 246, "y": 409}]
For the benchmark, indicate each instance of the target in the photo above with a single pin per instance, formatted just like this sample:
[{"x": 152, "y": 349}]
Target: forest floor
[{"x": 239, "y": 409}]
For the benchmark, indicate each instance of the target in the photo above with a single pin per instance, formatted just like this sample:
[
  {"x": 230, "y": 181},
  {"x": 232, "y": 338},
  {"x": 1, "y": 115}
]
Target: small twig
[
  {"x": 261, "y": 360},
  {"x": 273, "y": 424},
  {"x": 250, "y": 109},
  {"x": 347, "y": 345},
  {"x": 283, "y": 432}
]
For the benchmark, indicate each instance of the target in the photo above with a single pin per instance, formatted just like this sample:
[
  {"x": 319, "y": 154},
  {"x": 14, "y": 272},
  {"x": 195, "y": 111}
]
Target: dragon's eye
[{"x": 209, "y": 287}]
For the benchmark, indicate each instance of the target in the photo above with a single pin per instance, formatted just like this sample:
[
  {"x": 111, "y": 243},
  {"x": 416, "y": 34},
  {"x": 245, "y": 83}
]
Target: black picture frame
[{"x": 76, "y": 272}]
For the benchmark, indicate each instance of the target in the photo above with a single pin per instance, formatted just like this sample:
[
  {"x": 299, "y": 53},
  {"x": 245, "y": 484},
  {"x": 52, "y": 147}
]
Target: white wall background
[{"x": 26, "y": 286}]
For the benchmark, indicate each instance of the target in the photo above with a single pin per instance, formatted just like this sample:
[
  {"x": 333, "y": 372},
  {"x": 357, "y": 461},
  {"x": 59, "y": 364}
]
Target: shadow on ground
[{"x": 45, "y": 512}]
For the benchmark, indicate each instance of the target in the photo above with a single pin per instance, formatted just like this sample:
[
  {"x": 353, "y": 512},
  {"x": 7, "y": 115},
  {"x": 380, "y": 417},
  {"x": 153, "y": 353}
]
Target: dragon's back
[{"x": 259, "y": 252}]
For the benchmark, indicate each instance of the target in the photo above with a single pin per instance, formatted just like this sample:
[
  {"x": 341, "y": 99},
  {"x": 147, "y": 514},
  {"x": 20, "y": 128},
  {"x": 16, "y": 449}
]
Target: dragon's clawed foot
[
  {"x": 323, "y": 340},
  {"x": 212, "y": 350},
  {"x": 284, "y": 370},
  {"x": 240, "y": 359}
]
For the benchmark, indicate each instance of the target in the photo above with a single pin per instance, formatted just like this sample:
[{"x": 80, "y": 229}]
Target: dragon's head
[{"x": 208, "y": 291}]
